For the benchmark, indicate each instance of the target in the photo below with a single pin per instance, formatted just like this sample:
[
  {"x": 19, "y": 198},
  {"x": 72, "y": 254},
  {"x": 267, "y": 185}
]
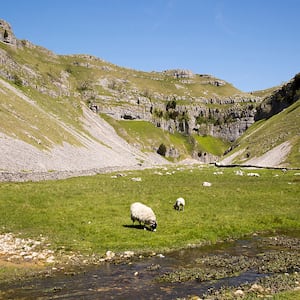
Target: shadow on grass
[{"x": 136, "y": 227}]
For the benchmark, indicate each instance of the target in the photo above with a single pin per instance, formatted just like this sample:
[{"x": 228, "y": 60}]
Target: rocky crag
[
  {"x": 225, "y": 117},
  {"x": 6, "y": 34},
  {"x": 282, "y": 98}
]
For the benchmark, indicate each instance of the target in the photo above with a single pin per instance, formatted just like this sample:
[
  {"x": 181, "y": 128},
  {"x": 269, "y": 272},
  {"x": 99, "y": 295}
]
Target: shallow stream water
[{"x": 138, "y": 278}]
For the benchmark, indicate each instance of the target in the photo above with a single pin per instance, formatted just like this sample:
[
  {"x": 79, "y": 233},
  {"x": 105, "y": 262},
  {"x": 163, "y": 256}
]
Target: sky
[{"x": 252, "y": 44}]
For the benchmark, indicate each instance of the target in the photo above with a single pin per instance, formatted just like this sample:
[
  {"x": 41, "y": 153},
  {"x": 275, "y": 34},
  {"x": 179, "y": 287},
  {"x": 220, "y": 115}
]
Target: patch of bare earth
[{"x": 273, "y": 158}]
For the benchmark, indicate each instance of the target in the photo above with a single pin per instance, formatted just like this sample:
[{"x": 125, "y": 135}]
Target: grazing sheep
[
  {"x": 179, "y": 204},
  {"x": 143, "y": 214},
  {"x": 218, "y": 173},
  {"x": 253, "y": 174},
  {"x": 136, "y": 179}
]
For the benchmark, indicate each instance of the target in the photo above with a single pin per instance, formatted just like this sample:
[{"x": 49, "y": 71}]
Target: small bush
[
  {"x": 162, "y": 149},
  {"x": 171, "y": 105},
  {"x": 158, "y": 113},
  {"x": 69, "y": 70},
  {"x": 18, "y": 81},
  {"x": 84, "y": 86}
]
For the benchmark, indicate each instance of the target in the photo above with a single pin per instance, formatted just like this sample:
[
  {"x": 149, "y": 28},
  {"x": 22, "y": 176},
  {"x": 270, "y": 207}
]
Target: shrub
[
  {"x": 17, "y": 80},
  {"x": 69, "y": 70},
  {"x": 162, "y": 149},
  {"x": 158, "y": 113},
  {"x": 171, "y": 105},
  {"x": 172, "y": 115},
  {"x": 84, "y": 86}
]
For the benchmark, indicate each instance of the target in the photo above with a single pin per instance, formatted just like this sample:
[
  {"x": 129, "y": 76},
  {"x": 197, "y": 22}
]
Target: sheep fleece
[
  {"x": 179, "y": 204},
  {"x": 142, "y": 213}
]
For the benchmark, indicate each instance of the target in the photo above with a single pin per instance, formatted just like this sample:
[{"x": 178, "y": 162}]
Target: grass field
[{"x": 91, "y": 214}]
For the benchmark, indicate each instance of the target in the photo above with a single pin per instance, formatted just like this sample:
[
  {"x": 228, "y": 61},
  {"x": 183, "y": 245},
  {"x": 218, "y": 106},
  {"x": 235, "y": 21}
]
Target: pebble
[
  {"x": 110, "y": 255},
  {"x": 256, "y": 288},
  {"x": 14, "y": 248},
  {"x": 239, "y": 293},
  {"x": 128, "y": 254}
]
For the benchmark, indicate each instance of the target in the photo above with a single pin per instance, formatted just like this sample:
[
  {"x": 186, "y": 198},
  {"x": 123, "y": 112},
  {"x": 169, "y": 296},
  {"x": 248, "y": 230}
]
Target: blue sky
[{"x": 252, "y": 44}]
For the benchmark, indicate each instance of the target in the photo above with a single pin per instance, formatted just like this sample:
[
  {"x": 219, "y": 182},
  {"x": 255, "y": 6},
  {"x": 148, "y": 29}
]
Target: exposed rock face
[
  {"x": 227, "y": 123},
  {"x": 6, "y": 34},
  {"x": 179, "y": 73},
  {"x": 280, "y": 99}
]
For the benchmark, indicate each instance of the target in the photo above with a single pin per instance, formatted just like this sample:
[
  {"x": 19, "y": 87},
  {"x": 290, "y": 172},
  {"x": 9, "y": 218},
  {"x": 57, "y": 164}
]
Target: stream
[{"x": 165, "y": 276}]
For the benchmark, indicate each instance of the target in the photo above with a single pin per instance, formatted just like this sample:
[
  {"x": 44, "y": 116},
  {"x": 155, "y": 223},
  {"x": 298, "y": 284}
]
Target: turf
[{"x": 91, "y": 214}]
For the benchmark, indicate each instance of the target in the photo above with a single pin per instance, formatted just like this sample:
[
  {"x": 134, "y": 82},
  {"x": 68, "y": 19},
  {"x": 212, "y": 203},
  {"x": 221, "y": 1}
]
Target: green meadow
[{"x": 91, "y": 214}]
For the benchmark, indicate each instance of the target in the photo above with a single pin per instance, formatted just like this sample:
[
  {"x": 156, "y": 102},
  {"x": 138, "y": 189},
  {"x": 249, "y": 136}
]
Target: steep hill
[
  {"x": 274, "y": 139},
  {"x": 77, "y": 112},
  {"x": 34, "y": 139}
]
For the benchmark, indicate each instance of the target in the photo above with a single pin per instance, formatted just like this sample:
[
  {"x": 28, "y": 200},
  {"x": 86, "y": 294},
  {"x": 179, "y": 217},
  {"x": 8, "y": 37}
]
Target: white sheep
[
  {"x": 179, "y": 204},
  {"x": 143, "y": 214},
  {"x": 253, "y": 174}
]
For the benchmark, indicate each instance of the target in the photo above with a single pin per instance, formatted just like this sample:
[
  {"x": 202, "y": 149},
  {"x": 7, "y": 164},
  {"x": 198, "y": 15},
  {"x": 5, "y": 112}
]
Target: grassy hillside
[
  {"x": 148, "y": 138},
  {"x": 32, "y": 123},
  {"x": 60, "y": 85},
  {"x": 264, "y": 135},
  {"x": 85, "y": 71},
  {"x": 266, "y": 92},
  {"x": 211, "y": 145}
]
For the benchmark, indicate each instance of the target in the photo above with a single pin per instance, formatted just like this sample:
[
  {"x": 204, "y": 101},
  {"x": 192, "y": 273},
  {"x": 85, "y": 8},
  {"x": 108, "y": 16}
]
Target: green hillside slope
[{"x": 265, "y": 135}]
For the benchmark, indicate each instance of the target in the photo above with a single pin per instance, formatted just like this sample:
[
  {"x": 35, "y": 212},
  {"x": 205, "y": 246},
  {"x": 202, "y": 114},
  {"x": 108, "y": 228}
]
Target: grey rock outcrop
[
  {"x": 179, "y": 73},
  {"x": 280, "y": 99},
  {"x": 227, "y": 123},
  {"x": 6, "y": 34}
]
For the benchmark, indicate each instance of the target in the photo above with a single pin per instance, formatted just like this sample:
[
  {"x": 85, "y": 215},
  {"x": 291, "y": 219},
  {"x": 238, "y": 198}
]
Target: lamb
[
  {"x": 143, "y": 214},
  {"x": 179, "y": 204}
]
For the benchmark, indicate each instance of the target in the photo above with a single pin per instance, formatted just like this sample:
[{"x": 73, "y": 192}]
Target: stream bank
[{"x": 258, "y": 265}]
